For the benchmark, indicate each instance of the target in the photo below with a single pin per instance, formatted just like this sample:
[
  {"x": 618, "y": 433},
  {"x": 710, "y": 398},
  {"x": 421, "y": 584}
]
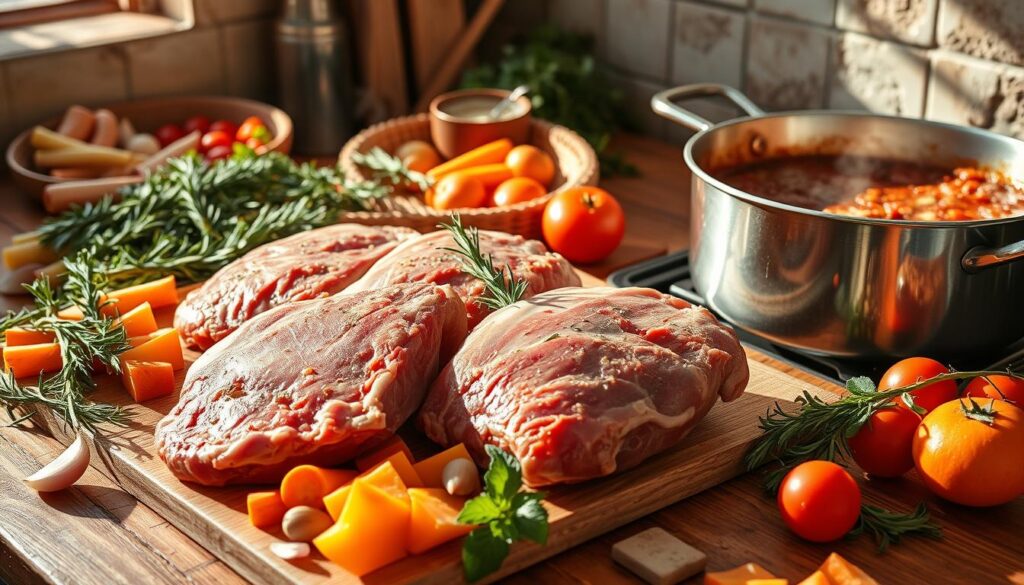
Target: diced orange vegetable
[
  {"x": 30, "y": 252},
  {"x": 265, "y": 509},
  {"x": 148, "y": 380},
  {"x": 816, "y": 578},
  {"x": 371, "y": 532},
  {"x": 158, "y": 293},
  {"x": 842, "y": 572},
  {"x": 773, "y": 581},
  {"x": 306, "y": 485},
  {"x": 161, "y": 346},
  {"x": 138, "y": 321},
  {"x": 430, "y": 468},
  {"x": 71, "y": 314},
  {"x": 433, "y": 514},
  {"x": 738, "y": 576},
  {"x": 18, "y": 336},
  {"x": 336, "y": 500},
  {"x": 488, "y": 154},
  {"x": 393, "y": 445},
  {"x": 400, "y": 461},
  {"x": 490, "y": 176},
  {"x": 383, "y": 476},
  {"x": 31, "y": 360}
]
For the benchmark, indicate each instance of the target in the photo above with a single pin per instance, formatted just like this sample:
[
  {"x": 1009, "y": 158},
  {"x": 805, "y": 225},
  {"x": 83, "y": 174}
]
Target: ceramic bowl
[{"x": 454, "y": 131}]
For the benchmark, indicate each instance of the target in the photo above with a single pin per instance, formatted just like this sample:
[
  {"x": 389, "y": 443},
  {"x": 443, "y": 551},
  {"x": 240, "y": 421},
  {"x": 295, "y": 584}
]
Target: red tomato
[
  {"x": 252, "y": 127},
  {"x": 224, "y": 126},
  {"x": 1006, "y": 388},
  {"x": 882, "y": 447},
  {"x": 584, "y": 224},
  {"x": 168, "y": 133},
  {"x": 200, "y": 123},
  {"x": 218, "y": 152},
  {"x": 918, "y": 369},
  {"x": 214, "y": 138},
  {"x": 819, "y": 501}
]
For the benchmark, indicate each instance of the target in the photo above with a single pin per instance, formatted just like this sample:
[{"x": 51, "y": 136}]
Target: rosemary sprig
[
  {"x": 887, "y": 528},
  {"x": 390, "y": 169},
  {"x": 502, "y": 290}
]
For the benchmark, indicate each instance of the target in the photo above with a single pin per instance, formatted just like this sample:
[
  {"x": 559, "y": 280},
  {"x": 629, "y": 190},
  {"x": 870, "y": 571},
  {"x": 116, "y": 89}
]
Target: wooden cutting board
[{"x": 216, "y": 517}]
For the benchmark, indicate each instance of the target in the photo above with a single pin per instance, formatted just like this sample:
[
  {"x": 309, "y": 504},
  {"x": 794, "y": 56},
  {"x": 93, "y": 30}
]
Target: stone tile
[
  {"x": 185, "y": 63},
  {"x": 636, "y": 95},
  {"x": 43, "y": 87},
  {"x": 990, "y": 29},
  {"x": 910, "y": 21},
  {"x": 638, "y": 32},
  {"x": 249, "y": 59},
  {"x": 817, "y": 11},
  {"x": 786, "y": 64},
  {"x": 582, "y": 16},
  {"x": 880, "y": 76},
  {"x": 208, "y": 12},
  {"x": 972, "y": 92},
  {"x": 707, "y": 45}
]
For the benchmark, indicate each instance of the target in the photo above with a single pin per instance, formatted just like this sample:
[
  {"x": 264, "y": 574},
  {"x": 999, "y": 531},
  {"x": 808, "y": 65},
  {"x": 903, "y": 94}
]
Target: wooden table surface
[{"x": 97, "y": 533}]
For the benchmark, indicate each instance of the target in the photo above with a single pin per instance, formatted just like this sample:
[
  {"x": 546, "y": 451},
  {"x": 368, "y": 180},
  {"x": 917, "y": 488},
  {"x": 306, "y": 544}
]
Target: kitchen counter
[{"x": 97, "y": 533}]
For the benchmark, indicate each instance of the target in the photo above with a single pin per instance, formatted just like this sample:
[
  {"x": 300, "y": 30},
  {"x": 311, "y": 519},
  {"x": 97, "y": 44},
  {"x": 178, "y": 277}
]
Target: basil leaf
[
  {"x": 479, "y": 510},
  {"x": 482, "y": 553},
  {"x": 504, "y": 475},
  {"x": 530, "y": 517},
  {"x": 860, "y": 385}
]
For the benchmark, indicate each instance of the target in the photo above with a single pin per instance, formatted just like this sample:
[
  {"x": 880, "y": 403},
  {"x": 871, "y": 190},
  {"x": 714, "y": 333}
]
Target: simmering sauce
[{"x": 880, "y": 188}]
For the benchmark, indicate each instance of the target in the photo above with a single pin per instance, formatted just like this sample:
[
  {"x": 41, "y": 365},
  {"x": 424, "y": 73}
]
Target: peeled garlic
[
  {"x": 63, "y": 471},
  {"x": 460, "y": 477},
  {"x": 290, "y": 550}
]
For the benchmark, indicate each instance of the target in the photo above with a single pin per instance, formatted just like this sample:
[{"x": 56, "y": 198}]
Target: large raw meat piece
[
  {"x": 583, "y": 382},
  {"x": 303, "y": 266},
  {"x": 424, "y": 259},
  {"x": 312, "y": 382}
]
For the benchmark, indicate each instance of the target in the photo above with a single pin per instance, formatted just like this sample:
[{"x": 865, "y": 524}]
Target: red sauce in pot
[{"x": 880, "y": 188}]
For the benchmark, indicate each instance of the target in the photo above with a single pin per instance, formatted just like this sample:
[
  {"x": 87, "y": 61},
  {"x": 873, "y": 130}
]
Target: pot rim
[{"x": 699, "y": 171}]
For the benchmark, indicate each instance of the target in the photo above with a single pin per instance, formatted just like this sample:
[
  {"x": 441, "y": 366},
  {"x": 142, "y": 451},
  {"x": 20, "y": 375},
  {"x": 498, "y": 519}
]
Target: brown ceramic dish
[
  {"x": 149, "y": 114},
  {"x": 455, "y": 126}
]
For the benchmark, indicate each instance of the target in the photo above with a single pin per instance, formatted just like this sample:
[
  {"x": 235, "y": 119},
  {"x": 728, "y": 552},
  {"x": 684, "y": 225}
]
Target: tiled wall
[
  {"x": 229, "y": 51},
  {"x": 959, "y": 61}
]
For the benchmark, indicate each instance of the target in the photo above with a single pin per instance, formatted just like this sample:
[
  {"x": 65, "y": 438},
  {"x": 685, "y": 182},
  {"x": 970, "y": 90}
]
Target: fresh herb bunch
[
  {"x": 191, "y": 218},
  {"x": 504, "y": 514},
  {"x": 821, "y": 430},
  {"x": 94, "y": 339},
  {"x": 567, "y": 86},
  {"x": 390, "y": 170},
  {"x": 502, "y": 290}
]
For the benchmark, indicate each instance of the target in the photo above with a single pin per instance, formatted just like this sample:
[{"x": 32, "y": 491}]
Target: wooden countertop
[{"x": 97, "y": 533}]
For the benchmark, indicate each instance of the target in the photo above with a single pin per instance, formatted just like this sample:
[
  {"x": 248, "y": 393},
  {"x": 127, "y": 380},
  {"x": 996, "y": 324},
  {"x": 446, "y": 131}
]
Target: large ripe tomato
[
  {"x": 819, "y": 501},
  {"x": 168, "y": 133},
  {"x": 1007, "y": 388},
  {"x": 917, "y": 369},
  {"x": 882, "y": 446},
  {"x": 969, "y": 461},
  {"x": 584, "y": 224}
]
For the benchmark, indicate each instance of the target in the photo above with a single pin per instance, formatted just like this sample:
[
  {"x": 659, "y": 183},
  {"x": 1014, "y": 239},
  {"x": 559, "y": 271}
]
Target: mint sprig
[{"x": 504, "y": 514}]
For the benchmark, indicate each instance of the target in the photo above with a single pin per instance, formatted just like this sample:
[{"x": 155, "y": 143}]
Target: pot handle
[
  {"x": 663, "y": 103},
  {"x": 980, "y": 257}
]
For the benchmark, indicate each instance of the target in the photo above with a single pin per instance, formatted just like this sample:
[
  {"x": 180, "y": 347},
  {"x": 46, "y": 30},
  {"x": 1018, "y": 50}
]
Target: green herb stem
[{"x": 502, "y": 290}]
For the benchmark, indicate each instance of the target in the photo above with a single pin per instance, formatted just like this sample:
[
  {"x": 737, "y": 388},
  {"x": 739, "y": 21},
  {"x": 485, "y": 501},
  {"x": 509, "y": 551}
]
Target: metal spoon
[{"x": 500, "y": 107}]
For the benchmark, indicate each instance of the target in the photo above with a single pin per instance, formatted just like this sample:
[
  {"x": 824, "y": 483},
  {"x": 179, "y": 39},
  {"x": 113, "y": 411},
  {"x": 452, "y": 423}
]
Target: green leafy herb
[
  {"x": 390, "y": 169},
  {"x": 502, "y": 290},
  {"x": 887, "y": 528},
  {"x": 504, "y": 514},
  {"x": 567, "y": 86}
]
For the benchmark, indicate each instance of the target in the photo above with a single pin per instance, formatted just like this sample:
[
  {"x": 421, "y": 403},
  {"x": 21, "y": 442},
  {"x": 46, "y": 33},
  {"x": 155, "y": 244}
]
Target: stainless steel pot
[{"x": 848, "y": 286}]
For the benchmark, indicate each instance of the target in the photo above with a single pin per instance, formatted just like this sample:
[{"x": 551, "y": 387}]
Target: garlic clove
[
  {"x": 63, "y": 471},
  {"x": 460, "y": 477},
  {"x": 11, "y": 281},
  {"x": 290, "y": 551}
]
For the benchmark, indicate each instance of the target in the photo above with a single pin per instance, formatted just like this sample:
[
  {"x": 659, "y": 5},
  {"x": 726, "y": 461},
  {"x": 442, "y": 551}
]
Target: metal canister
[{"x": 314, "y": 75}]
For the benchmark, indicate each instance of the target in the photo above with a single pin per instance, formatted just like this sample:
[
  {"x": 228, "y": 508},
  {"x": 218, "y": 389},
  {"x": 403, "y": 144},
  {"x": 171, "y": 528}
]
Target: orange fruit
[
  {"x": 457, "y": 191},
  {"x": 1007, "y": 388},
  {"x": 530, "y": 161},
  {"x": 518, "y": 190},
  {"x": 969, "y": 461}
]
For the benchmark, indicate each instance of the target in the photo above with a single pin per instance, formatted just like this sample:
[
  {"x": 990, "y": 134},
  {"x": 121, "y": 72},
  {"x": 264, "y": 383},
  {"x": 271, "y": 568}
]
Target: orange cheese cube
[
  {"x": 336, "y": 500},
  {"x": 433, "y": 514},
  {"x": 384, "y": 476},
  {"x": 306, "y": 485},
  {"x": 147, "y": 380},
  {"x": 265, "y": 509},
  {"x": 738, "y": 576},
  {"x": 429, "y": 469},
  {"x": 774, "y": 581},
  {"x": 138, "y": 321},
  {"x": 17, "y": 336},
  {"x": 372, "y": 531},
  {"x": 161, "y": 346},
  {"x": 31, "y": 360},
  {"x": 393, "y": 445},
  {"x": 400, "y": 461},
  {"x": 816, "y": 578},
  {"x": 842, "y": 572}
]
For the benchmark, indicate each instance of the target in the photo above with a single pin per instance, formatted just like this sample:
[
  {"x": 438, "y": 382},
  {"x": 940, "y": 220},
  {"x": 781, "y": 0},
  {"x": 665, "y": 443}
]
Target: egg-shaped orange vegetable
[
  {"x": 517, "y": 190},
  {"x": 968, "y": 451},
  {"x": 530, "y": 161},
  {"x": 456, "y": 191}
]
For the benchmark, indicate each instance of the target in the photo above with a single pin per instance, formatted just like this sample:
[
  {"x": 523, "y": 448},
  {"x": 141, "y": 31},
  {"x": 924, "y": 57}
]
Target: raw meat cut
[
  {"x": 424, "y": 259},
  {"x": 311, "y": 382},
  {"x": 303, "y": 266},
  {"x": 579, "y": 383}
]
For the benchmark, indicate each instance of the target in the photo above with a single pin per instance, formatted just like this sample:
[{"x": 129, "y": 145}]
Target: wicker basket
[{"x": 575, "y": 161}]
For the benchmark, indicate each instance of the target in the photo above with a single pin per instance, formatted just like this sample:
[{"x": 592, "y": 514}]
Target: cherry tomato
[
  {"x": 168, "y": 133},
  {"x": 252, "y": 126},
  {"x": 882, "y": 447},
  {"x": 218, "y": 152},
  {"x": 918, "y": 369},
  {"x": 819, "y": 501},
  {"x": 214, "y": 138},
  {"x": 584, "y": 224},
  {"x": 200, "y": 123},
  {"x": 1006, "y": 388},
  {"x": 224, "y": 126}
]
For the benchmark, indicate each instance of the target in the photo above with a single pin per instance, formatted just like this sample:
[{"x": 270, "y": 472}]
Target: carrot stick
[
  {"x": 16, "y": 336},
  {"x": 31, "y": 360},
  {"x": 161, "y": 346},
  {"x": 32, "y": 252},
  {"x": 138, "y": 321},
  {"x": 77, "y": 123},
  {"x": 76, "y": 173},
  {"x": 488, "y": 175},
  {"x": 158, "y": 293},
  {"x": 265, "y": 509},
  {"x": 82, "y": 156},
  {"x": 306, "y": 485},
  {"x": 59, "y": 197},
  {"x": 23, "y": 237},
  {"x": 148, "y": 380},
  {"x": 488, "y": 154},
  {"x": 105, "y": 133}
]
